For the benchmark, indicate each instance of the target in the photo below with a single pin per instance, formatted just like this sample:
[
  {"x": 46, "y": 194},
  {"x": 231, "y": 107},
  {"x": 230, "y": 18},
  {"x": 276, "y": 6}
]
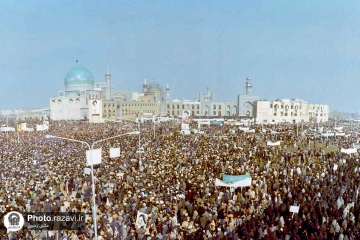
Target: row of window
[
  {"x": 138, "y": 104},
  {"x": 295, "y": 114},
  {"x": 109, "y": 105},
  {"x": 276, "y": 106},
  {"x": 70, "y": 101},
  {"x": 192, "y": 113},
  {"x": 197, "y": 107},
  {"x": 183, "y": 106},
  {"x": 134, "y": 112}
]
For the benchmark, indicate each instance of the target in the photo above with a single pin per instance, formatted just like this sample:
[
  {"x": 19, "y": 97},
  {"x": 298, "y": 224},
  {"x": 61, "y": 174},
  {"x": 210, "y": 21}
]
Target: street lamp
[{"x": 92, "y": 169}]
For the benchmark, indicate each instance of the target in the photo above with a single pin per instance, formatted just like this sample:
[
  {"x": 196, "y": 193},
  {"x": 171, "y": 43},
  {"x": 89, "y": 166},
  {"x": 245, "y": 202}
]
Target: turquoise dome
[{"x": 79, "y": 78}]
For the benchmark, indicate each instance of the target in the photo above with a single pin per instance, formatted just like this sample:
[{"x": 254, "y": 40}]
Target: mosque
[{"x": 83, "y": 99}]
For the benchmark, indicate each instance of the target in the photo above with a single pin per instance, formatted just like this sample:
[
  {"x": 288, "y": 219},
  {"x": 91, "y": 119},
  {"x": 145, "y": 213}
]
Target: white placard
[
  {"x": 120, "y": 174},
  {"x": 93, "y": 157},
  {"x": 87, "y": 170},
  {"x": 141, "y": 220},
  {"x": 114, "y": 152},
  {"x": 335, "y": 167},
  {"x": 34, "y": 162},
  {"x": 294, "y": 209},
  {"x": 269, "y": 143}
]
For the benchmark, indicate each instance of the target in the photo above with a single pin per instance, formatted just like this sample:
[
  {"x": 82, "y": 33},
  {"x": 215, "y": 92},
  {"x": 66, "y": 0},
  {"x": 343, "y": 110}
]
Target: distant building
[
  {"x": 80, "y": 91},
  {"x": 292, "y": 111},
  {"x": 205, "y": 106},
  {"x": 245, "y": 104},
  {"x": 151, "y": 101}
]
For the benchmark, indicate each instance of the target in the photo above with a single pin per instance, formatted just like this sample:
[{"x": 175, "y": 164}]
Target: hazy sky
[{"x": 291, "y": 49}]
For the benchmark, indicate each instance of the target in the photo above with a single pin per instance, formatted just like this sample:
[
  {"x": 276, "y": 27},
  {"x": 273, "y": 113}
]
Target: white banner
[
  {"x": 269, "y": 143},
  {"x": 93, "y": 157},
  {"x": 204, "y": 122},
  {"x": 328, "y": 134},
  {"x": 294, "y": 209},
  {"x": 251, "y": 131},
  {"x": 141, "y": 220},
  {"x": 244, "y": 129},
  {"x": 349, "y": 151},
  {"x": 185, "y": 126},
  {"x": 242, "y": 183},
  {"x": 40, "y": 127},
  {"x": 7, "y": 129},
  {"x": 340, "y": 134},
  {"x": 338, "y": 128},
  {"x": 114, "y": 152}
]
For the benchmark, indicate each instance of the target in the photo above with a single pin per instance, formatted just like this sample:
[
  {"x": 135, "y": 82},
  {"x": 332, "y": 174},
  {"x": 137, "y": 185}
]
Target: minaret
[
  {"x": 248, "y": 85},
  {"x": 107, "y": 79},
  {"x": 167, "y": 92},
  {"x": 144, "y": 86}
]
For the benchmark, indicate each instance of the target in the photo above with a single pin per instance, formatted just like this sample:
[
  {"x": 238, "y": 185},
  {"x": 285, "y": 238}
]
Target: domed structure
[{"x": 79, "y": 78}]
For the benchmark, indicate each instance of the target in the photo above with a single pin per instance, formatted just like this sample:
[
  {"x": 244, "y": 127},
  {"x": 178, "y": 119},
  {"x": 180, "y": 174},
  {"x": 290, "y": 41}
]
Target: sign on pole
[
  {"x": 294, "y": 209},
  {"x": 93, "y": 157},
  {"x": 114, "y": 152}
]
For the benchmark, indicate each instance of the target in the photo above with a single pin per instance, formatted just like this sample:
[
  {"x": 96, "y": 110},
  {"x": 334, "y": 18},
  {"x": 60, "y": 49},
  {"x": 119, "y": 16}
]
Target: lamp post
[{"x": 92, "y": 168}]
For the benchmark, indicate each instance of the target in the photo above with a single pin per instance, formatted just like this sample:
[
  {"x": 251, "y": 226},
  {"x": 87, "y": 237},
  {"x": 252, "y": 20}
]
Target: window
[
  {"x": 214, "y": 108},
  {"x": 271, "y": 106},
  {"x": 219, "y": 106}
]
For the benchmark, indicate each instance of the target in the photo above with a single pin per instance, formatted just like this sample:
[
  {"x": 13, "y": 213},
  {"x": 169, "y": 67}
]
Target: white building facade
[
  {"x": 292, "y": 111},
  {"x": 80, "y": 91}
]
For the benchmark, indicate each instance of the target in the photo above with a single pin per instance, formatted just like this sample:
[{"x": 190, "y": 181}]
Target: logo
[{"x": 13, "y": 221}]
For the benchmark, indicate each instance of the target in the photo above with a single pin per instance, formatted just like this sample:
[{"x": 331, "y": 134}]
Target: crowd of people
[{"x": 173, "y": 181}]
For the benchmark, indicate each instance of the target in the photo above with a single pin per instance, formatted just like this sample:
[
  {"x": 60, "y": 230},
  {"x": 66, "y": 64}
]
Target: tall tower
[
  {"x": 248, "y": 85},
  {"x": 107, "y": 79},
  {"x": 144, "y": 86},
  {"x": 167, "y": 92}
]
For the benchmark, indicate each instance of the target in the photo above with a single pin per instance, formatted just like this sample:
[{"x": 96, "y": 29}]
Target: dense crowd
[{"x": 173, "y": 181}]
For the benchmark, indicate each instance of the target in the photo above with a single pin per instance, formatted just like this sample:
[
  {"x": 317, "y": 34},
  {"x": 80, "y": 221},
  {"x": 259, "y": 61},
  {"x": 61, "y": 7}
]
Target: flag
[
  {"x": 233, "y": 178},
  {"x": 243, "y": 181}
]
